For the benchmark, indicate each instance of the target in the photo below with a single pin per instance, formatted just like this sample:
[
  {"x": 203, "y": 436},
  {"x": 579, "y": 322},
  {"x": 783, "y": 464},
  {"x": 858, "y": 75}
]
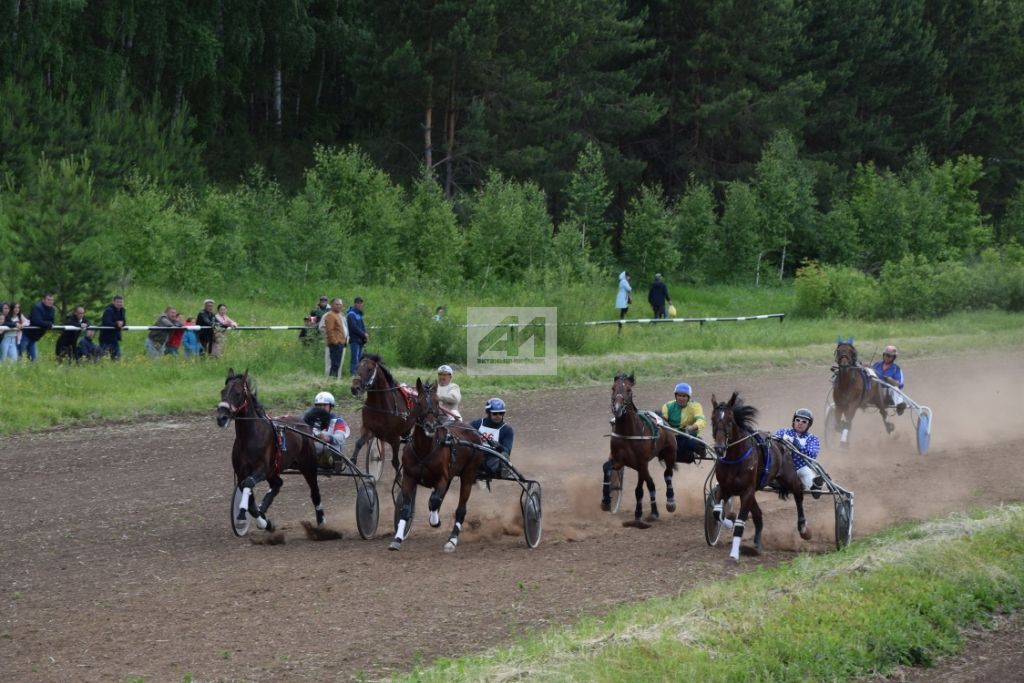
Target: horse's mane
[
  {"x": 745, "y": 416},
  {"x": 383, "y": 368}
]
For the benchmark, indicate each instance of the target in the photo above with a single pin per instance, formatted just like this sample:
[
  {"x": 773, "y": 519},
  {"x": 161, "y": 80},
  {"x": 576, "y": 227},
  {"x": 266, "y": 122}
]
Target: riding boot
[{"x": 900, "y": 407}]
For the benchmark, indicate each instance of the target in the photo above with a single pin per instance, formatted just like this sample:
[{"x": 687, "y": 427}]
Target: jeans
[
  {"x": 9, "y": 348},
  {"x": 336, "y": 351},
  {"x": 28, "y": 347},
  {"x": 357, "y": 353},
  {"x": 113, "y": 348}
]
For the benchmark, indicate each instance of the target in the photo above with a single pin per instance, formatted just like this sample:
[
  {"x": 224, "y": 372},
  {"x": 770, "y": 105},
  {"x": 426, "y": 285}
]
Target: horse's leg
[
  {"x": 436, "y": 498},
  {"x": 309, "y": 472},
  {"x": 639, "y": 492},
  {"x": 653, "y": 492},
  {"x": 261, "y": 514},
  {"x": 606, "y": 487},
  {"x": 247, "y": 485},
  {"x": 670, "y": 494},
  {"x": 364, "y": 436},
  {"x": 755, "y": 512},
  {"x": 396, "y": 445},
  {"x": 405, "y": 514},
  {"x": 801, "y": 520},
  {"x": 460, "y": 513},
  {"x": 741, "y": 521}
]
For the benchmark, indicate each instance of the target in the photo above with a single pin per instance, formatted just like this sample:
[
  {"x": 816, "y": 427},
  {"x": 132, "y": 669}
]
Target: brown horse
[
  {"x": 263, "y": 448},
  {"x": 436, "y": 453},
  {"x": 747, "y": 460},
  {"x": 853, "y": 389},
  {"x": 635, "y": 441},
  {"x": 385, "y": 413}
]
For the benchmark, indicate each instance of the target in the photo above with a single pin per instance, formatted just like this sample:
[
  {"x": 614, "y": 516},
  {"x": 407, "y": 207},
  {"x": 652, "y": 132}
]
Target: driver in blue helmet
[
  {"x": 686, "y": 415},
  {"x": 806, "y": 446},
  {"x": 497, "y": 434}
]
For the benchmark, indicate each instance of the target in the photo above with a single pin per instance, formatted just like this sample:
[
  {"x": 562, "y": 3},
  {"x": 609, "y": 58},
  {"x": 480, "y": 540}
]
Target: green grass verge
[
  {"x": 898, "y": 598},
  {"x": 288, "y": 374}
]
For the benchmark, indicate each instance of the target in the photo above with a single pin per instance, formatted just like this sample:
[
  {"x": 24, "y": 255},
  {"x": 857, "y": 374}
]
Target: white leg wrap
[
  {"x": 261, "y": 522},
  {"x": 244, "y": 503},
  {"x": 400, "y": 532},
  {"x": 806, "y": 477},
  {"x": 435, "y": 517},
  {"x": 735, "y": 552},
  {"x": 846, "y": 433},
  {"x": 727, "y": 523}
]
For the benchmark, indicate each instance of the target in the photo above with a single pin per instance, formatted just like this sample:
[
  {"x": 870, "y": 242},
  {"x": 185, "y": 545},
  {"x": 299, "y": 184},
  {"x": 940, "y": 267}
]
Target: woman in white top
[
  {"x": 221, "y": 324},
  {"x": 448, "y": 393}
]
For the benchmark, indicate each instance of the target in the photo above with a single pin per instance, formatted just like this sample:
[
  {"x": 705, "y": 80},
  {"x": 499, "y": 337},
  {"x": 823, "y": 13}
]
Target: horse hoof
[
  {"x": 262, "y": 523},
  {"x": 670, "y": 505},
  {"x": 606, "y": 507},
  {"x": 449, "y": 547},
  {"x": 652, "y": 518},
  {"x": 731, "y": 562},
  {"x": 395, "y": 545},
  {"x": 435, "y": 520},
  {"x": 806, "y": 534}
]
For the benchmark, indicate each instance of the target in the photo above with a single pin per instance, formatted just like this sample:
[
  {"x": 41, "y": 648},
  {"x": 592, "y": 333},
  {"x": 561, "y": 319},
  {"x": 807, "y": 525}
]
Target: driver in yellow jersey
[{"x": 685, "y": 415}]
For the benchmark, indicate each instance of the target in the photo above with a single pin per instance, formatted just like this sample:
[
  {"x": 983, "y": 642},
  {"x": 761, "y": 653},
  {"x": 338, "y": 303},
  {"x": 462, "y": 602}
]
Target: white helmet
[
  {"x": 324, "y": 397},
  {"x": 444, "y": 369},
  {"x": 890, "y": 350}
]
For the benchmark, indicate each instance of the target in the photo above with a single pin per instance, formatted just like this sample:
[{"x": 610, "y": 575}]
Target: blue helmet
[
  {"x": 684, "y": 388},
  {"x": 495, "y": 405}
]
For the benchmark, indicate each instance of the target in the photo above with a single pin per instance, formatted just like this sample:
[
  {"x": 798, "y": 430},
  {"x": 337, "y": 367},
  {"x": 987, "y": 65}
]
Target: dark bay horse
[
  {"x": 635, "y": 441},
  {"x": 747, "y": 460},
  {"x": 385, "y": 413},
  {"x": 853, "y": 389},
  {"x": 436, "y": 453},
  {"x": 262, "y": 449}
]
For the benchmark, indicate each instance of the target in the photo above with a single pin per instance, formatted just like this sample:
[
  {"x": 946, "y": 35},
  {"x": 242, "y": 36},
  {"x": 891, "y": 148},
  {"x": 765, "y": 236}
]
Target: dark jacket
[
  {"x": 205, "y": 319},
  {"x": 88, "y": 349},
  {"x": 68, "y": 339},
  {"x": 42, "y": 316},
  {"x": 658, "y": 294},
  {"x": 111, "y": 316},
  {"x": 356, "y": 327},
  {"x": 506, "y": 436}
]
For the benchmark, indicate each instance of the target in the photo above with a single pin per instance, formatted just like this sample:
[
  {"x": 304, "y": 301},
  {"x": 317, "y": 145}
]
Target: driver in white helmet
[
  {"x": 891, "y": 374},
  {"x": 327, "y": 426},
  {"x": 805, "y": 445},
  {"x": 448, "y": 393},
  {"x": 498, "y": 435}
]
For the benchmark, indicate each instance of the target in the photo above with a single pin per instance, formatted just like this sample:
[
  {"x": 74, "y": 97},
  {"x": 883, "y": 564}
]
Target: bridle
[
  {"x": 366, "y": 387},
  {"x": 846, "y": 355},
  {"x": 432, "y": 429},
  {"x": 718, "y": 418},
  {"x": 622, "y": 400},
  {"x": 234, "y": 410}
]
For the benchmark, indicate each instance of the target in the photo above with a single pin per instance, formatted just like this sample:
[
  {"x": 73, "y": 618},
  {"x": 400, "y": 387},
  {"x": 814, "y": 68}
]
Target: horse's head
[
  {"x": 622, "y": 393},
  {"x": 846, "y": 353},
  {"x": 426, "y": 412},
  {"x": 234, "y": 397},
  {"x": 365, "y": 375},
  {"x": 731, "y": 421}
]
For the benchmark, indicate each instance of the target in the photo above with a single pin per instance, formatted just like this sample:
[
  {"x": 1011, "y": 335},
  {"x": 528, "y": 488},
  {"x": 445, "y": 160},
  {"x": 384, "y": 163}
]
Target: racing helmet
[
  {"x": 683, "y": 388},
  {"x": 494, "y": 405},
  {"x": 806, "y": 414},
  {"x": 324, "y": 397},
  {"x": 890, "y": 350},
  {"x": 445, "y": 369}
]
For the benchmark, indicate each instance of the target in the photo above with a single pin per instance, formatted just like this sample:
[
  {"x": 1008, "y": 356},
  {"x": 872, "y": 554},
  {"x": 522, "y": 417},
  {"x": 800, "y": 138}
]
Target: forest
[{"x": 151, "y": 142}]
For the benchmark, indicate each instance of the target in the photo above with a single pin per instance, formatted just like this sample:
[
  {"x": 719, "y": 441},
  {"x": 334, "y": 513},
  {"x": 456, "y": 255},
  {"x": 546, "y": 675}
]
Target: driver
[
  {"x": 448, "y": 393},
  {"x": 805, "y": 445},
  {"x": 685, "y": 415},
  {"x": 891, "y": 374},
  {"x": 327, "y": 426},
  {"x": 497, "y": 434}
]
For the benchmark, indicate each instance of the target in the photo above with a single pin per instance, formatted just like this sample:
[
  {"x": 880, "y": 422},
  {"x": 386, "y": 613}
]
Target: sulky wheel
[
  {"x": 367, "y": 510},
  {"x": 373, "y": 460},
  {"x": 712, "y": 526},
  {"x": 530, "y": 502},
  {"x": 844, "y": 521},
  {"x": 924, "y": 430},
  {"x": 615, "y": 486}
]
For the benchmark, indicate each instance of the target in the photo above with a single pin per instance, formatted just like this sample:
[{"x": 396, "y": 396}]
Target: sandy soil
[{"x": 117, "y": 557}]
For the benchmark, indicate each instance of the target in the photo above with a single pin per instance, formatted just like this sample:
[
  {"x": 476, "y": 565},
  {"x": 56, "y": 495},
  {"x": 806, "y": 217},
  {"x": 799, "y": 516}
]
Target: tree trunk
[
  {"x": 278, "y": 115},
  {"x": 449, "y": 130},
  {"x": 320, "y": 80}
]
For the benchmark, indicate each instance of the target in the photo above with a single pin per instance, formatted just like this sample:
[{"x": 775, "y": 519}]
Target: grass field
[
  {"x": 288, "y": 374},
  {"x": 898, "y": 598}
]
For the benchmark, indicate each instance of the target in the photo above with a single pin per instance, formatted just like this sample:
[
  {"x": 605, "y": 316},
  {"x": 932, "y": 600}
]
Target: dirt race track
[{"x": 117, "y": 557}]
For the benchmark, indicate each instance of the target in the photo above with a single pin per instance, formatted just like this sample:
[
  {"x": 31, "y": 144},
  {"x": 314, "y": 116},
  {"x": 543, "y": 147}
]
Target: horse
[
  {"x": 385, "y": 414},
  {"x": 635, "y": 441},
  {"x": 747, "y": 460},
  {"x": 852, "y": 389},
  {"x": 263, "y": 448},
  {"x": 436, "y": 453}
]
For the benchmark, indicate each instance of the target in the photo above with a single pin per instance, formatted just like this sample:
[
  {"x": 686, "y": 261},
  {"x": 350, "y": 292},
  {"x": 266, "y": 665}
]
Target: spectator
[
  {"x": 221, "y": 324},
  {"x": 114, "y": 318},
  {"x": 657, "y": 295},
  {"x": 42, "y": 318},
  {"x": 206, "y": 319},
  {"x": 174, "y": 340},
  {"x": 11, "y": 330},
  {"x": 87, "y": 348},
  {"x": 67, "y": 342},
  {"x": 156, "y": 340},
  {"x": 623, "y": 299},
  {"x": 311, "y": 333},
  {"x": 337, "y": 338},
  {"x": 439, "y": 314},
  {"x": 357, "y": 335},
  {"x": 190, "y": 341}
]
